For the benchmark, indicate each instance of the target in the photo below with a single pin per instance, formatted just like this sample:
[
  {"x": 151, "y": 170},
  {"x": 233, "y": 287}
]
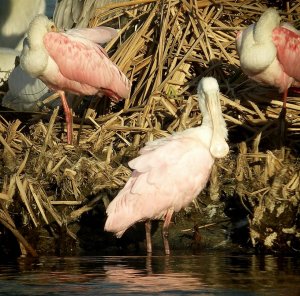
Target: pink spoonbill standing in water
[
  {"x": 270, "y": 52},
  {"x": 170, "y": 172},
  {"x": 72, "y": 62}
]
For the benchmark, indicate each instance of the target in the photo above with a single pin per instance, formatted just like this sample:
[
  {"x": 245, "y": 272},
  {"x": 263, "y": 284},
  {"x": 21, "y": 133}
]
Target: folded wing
[{"x": 81, "y": 60}]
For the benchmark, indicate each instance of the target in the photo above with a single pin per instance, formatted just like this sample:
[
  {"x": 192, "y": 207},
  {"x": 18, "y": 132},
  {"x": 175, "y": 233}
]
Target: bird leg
[
  {"x": 165, "y": 230},
  {"x": 282, "y": 120},
  {"x": 68, "y": 116},
  {"x": 148, "y": 236},
  {"x": 283, "y": 110}
]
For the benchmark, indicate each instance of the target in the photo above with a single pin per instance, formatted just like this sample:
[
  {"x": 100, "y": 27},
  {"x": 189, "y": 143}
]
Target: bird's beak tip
[{"x": 220, "y": 151}]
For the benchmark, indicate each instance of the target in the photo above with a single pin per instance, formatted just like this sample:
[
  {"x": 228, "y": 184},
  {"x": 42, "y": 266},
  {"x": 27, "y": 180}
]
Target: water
[{"x": 205, "y": 274}]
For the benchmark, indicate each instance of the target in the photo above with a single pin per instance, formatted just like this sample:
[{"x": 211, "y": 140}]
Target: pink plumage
[
  {"x": 269, "y": 52},
  {"x": 170, "y": 172},
  {"x": 73, "y": 62},
  {"x": 287, "y": 43},
  {"x": 170, "y": 175},
  {"x": 83, "y": 68}
]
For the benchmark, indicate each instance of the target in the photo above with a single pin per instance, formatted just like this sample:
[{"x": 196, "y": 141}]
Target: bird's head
[
  {"x": 38, "y": 27},
  {"x": 209, "y": 102},
  {"x": 268, "y": 21}
]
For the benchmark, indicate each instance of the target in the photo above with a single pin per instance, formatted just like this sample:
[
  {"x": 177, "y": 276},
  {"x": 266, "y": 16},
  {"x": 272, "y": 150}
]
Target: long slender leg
[
  {"x": 282, "y": 120},
  {"x": 283, "y": 110},
  {"x": 165, "y": 230},
  {"x": 68, "y": 116},
  {"x": 148, "y": 236}
]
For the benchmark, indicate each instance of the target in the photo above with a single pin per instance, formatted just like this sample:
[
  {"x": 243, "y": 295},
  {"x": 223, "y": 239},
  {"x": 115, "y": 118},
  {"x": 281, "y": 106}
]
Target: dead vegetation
[{"x": 165, "y": 47}]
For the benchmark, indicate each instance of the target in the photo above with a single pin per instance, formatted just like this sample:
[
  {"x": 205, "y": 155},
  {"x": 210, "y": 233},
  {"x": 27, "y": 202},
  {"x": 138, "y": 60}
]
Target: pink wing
[
  {"x": 98, "y": 35},
  {"x": 169, "y": 175},
  {"x": 287, "y": 43},
  {"x": 87, "y": 64}
]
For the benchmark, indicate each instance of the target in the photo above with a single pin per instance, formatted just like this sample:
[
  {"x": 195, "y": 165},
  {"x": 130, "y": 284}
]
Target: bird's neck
[
  {"x": 34, "y": 57},
  {"x": 35, "y": 38},
  {"x": 256, "y": 51}
]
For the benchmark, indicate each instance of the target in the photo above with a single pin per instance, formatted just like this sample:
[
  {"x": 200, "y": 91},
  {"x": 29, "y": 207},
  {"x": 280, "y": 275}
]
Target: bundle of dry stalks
[{"x": 165, "y": 48}]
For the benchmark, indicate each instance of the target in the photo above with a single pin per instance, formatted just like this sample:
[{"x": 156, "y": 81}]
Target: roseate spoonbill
[
  {"x": 72, "y": 62},
  {"x": 269, "y": 52},
  {"x": 171, "y": 172}
]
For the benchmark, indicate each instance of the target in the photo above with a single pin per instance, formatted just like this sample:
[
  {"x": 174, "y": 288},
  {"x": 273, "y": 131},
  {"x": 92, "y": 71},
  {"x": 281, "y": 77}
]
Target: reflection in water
[
  {"x": 135, "y": 280},
  {"x": 206, "y": 274}
]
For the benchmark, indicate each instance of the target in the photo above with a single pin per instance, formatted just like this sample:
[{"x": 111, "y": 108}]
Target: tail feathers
[
  {"x": 120, "y": 215},
  {"x": 117, "y": 224}
]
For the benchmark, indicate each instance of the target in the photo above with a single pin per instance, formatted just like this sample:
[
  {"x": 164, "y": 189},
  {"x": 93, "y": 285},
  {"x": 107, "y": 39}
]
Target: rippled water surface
[{"x": 205, "y": 274}]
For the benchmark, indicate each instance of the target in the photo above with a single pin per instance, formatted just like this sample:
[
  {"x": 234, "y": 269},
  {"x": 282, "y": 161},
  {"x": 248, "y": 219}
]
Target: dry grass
[{"x": 165, "y": 47}]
